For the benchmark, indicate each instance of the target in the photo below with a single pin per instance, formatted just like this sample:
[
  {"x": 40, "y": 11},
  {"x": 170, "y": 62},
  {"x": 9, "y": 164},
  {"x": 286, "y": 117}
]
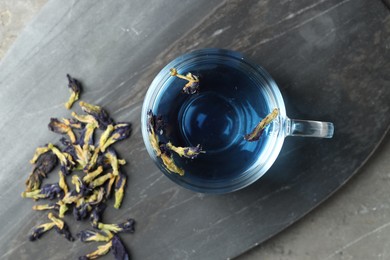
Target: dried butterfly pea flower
[
  {"x": 97, "y": 214},
  {"x": 105, "y": 135},
  {"x": 121, "y": 131},
  {"x": 48, "y": 191},
  {"x": 63, "y": 208},
  {"x": 66, "y": 160},
  {"x": 36, "y": 194},
  {"x": 92, "y": 175},
  {"x": 188, "y": 152},
  {"x": 105, "y": 141},
  {"x": 73, "y": 123},
  {"x": 153, "y": 138},
  {"x": 156, "y": 122},
  {"x": 112, "y": 159},
  {"x": 59, "y": 223},
  {"x": 127, "y": 226},
  {"x": 38, "y": 231},
  {"x": 83, "y": 156},
  {"x": 52, "y": 191},
  {"x": 258, "y": 130},
  {"x": 155, "y": 143},
  {"x": 100, "y": 181},
  {"x": 59, "y": 127},
  {"x": 170, "y": 165},
  {"x": 192, "y": 86},
  {"x": 93, "y": 235},
  {"x": 118, "y": 249},
  {"x": 98, "y": 113},
  {"x": 69, "y": 148},
  {"x": 71, "y": 197},
  {"x": 48, "y": 206},
  {"x": 85, "y": 205},
  {"x": 61, "y": 227},
  {"x": 44, "y": 164},
  {"x": 120, "y": 184},
  {"x": 86, "y": 119},
  {"x": 164, "y": 149},
  {"x": 64, "y": 232},
  {"x": 87, "y": 133},
  {"x": 93, "y": 159},
  {"x": 102, "y": 250},
  {"x": 108, "y": 186},
  {"x": 81, "y": 210},
  {"x": 96, "y": 197},
  {"x": 75, "y": 88},
  {"x": 62, "y": 182},
  {"x": 38, "y": 152},
  {"x": 77, "y": 183},
  {"x": 161, "y": 149}
]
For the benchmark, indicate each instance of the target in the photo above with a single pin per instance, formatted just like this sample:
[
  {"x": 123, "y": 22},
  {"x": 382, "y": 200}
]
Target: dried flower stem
[{"x": 258, "y": 130}]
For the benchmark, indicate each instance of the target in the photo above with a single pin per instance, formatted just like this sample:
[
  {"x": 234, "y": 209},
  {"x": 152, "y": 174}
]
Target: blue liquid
[{"x": 228, "y": 106}]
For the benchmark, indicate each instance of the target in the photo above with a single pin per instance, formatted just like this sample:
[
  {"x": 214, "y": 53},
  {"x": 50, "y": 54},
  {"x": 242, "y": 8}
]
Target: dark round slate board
[{"x": 329, "y": 57}]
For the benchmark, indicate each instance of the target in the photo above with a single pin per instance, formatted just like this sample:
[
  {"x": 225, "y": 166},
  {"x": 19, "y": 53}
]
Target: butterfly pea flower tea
[{"x": 224, "y": 121}]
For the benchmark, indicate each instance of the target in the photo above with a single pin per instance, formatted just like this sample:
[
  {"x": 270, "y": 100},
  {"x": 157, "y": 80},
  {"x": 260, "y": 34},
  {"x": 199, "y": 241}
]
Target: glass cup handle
[{"x": 309, "y": 128}]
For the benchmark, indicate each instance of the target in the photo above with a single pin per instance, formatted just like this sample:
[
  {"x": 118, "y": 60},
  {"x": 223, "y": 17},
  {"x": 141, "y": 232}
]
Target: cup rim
[{"x": 164, "y": 75}]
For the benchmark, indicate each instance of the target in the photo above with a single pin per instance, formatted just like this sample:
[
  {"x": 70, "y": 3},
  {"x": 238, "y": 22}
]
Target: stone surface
[
  {"x": 327, "y": 56},
  {"x": 14, "y": 15},
  {"x": 353, "y": 224}
]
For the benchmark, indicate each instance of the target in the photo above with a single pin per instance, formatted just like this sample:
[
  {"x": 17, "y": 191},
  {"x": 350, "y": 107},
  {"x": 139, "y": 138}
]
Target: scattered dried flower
[
  {"x": 92, "y": 175},
  {"x": 119, "y": 189},
  {"x": 98, "y": 113},
  {"x": 44, "y": 163},
  {"x": 102, "y": 250},
  {"x": 118, "y": 249},
  {"x": 121, "y": 131},
  {"x": 100, "y": 164},
  {"x": 38, "y": 231},
  {"x": 97, "y": 214},
  {"x": 93, "y": 235},
  {"x": 127, "y": 226},
  {"x": 59, "y": 127},
  {"x": 75, "y": 88}
]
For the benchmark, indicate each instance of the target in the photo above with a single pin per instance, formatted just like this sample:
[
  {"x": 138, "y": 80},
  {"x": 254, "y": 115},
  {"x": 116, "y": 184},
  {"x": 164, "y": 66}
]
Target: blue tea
[
  {"x": 228, "y": 105},
  {"x": 215, "y": 98}
]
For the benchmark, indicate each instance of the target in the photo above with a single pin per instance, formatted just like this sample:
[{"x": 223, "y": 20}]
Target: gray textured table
[{"x": 330, "y": 59}]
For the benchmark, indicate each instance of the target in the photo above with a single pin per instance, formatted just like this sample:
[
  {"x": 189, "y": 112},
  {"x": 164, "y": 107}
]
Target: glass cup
[{"x": 234, "y": 95}]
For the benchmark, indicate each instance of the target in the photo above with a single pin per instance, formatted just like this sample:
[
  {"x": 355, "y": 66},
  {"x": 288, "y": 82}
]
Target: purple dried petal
[
  {"x": 191, "y": 88},
  {"x": 73, "y": 84},
  {"x": 98, "y": 113},
  {"x": 46, "y": 162},
  {"x": 58, "y": 127},
  {"x": 97, "y": 214},
  {"x": 118, "y": 249},
  {"x": 127, "y": 226},
  {"x": 64, "y": 232},
  {"x": 84, "y": 235},
  {"x": 164, "y": 149},
  {"x": 121, "y": 131},
  {"x": 81, "y": 212},
  {"x": 69, "y": 148},
  {"x": 52, "y": 191},
  {"x": 38, "y": 231}
]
